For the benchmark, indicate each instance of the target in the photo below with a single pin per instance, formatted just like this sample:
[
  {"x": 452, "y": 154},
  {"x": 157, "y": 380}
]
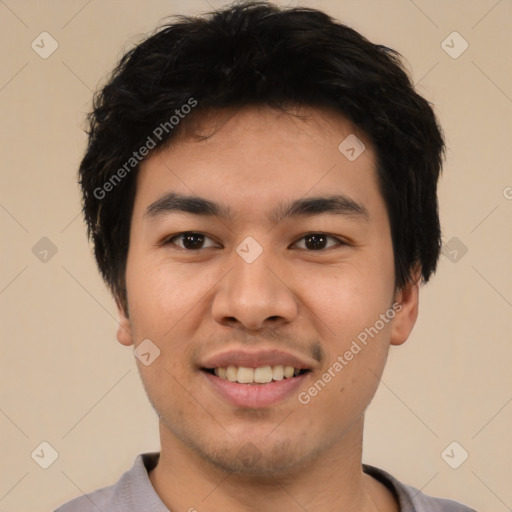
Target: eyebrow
[{"x": 333, "y": 205}]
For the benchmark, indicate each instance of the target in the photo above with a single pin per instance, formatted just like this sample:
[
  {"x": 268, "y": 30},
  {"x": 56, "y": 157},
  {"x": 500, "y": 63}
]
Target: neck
[{"x": 332, "y": 481}]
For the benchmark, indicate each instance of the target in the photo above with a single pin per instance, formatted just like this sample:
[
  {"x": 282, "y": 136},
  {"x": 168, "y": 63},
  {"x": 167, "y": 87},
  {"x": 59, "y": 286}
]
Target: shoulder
[
  {"x": 100, "y": 499},
  {"x": 425, "y": 503},
  {"x": 412, "y": 499},
  {"x": 132, "y": 492}
]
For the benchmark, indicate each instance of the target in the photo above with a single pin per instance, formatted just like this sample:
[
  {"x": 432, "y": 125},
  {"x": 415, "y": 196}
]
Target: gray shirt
[{"x": 134, "y": 493}]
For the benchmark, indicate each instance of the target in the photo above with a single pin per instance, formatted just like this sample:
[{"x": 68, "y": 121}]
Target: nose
[{"x": 255, "y": 295}]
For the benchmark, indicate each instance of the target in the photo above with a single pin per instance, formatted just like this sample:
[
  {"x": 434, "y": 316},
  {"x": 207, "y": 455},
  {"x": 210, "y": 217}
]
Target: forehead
[
  {"x": 256, "y": 157},
  {"x": 260, "y": 124}
]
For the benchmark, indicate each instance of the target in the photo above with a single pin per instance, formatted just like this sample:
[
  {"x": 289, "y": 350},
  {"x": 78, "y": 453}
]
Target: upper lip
[{"x": 255, "y": 359}]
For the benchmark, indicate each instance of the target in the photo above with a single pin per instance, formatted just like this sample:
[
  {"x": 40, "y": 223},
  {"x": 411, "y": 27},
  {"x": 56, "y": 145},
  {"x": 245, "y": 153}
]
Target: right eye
[{"x": 191, "y": 240}]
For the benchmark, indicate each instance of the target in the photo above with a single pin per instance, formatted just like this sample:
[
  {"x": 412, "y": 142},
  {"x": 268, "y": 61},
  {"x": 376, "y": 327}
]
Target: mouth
[
  {"x": 256, "y": 379},
  {"x": 259, "y": 375}
]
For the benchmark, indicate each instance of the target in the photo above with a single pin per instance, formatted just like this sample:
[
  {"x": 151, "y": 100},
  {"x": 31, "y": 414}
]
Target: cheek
[
  {"x": 350, "y": 299},
  {"x": 348, "y": 307},
  {"x": 160, "y": 296}
]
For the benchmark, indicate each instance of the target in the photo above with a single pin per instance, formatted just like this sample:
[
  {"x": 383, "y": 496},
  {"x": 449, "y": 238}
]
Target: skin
[{"x": 193, "y": 303}]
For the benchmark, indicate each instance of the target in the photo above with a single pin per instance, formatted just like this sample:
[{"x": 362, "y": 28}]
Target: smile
[{"x": 259, "y": 375}]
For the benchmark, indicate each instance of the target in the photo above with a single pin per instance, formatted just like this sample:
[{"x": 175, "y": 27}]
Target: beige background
[{"x": 66, "y": 380}]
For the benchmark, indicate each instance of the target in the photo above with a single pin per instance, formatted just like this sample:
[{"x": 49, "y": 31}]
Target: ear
[
  {"x": 405, "y": 318},
  {"x": 124, "y": 328}
]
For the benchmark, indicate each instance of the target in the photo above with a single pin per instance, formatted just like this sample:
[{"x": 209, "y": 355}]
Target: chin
[{"x": 247, "y": 459}]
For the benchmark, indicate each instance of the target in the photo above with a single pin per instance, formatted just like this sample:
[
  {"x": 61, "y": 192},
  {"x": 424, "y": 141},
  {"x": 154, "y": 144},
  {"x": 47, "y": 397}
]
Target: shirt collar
[
  {"x": 135, "y": 487},
  {"x": 134, "y": 490}
]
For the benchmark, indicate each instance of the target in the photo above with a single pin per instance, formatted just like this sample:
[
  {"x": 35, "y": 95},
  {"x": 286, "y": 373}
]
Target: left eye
[
  {"x": 316, "y": 241},
  {"x": 194, "y": 241}
]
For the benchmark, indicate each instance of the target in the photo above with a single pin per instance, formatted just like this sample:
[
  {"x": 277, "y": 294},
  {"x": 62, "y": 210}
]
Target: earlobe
[
  {"x": 403, "y": 323},
  {"x": 124, "y": 330}
]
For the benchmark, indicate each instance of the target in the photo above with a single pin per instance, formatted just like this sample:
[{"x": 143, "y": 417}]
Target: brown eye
[
  {"x": 318, "y": 241},
  {"x": 189, "y": 240}
]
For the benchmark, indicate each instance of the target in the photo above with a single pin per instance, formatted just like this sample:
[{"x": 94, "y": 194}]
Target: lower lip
[{"x": 255, "y": 395}]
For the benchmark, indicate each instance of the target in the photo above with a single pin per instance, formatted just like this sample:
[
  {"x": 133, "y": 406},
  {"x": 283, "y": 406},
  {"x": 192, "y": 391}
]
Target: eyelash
[{"x": 168, "y": 240}]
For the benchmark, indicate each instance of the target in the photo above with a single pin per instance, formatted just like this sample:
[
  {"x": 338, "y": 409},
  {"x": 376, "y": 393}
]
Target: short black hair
[{"x": 259, "y": 54}]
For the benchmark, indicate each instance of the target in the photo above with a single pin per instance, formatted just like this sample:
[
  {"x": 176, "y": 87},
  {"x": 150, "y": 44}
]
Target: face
[{"x": 281, "y": 273}]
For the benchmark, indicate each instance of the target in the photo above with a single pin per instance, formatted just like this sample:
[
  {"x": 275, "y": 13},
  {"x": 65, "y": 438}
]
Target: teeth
[
  {"x": 263, "y": 374},
  {"x": 245, "y": 375},
  {"x": 278, "y": 372},
  {"x": 231, "y": 373},
  {"x": 288, "y": 371},
  {"x": 260, "y": 375}
]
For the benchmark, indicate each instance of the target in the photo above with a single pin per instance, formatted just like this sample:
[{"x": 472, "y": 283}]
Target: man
[{"x": 260, "y": 187}]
